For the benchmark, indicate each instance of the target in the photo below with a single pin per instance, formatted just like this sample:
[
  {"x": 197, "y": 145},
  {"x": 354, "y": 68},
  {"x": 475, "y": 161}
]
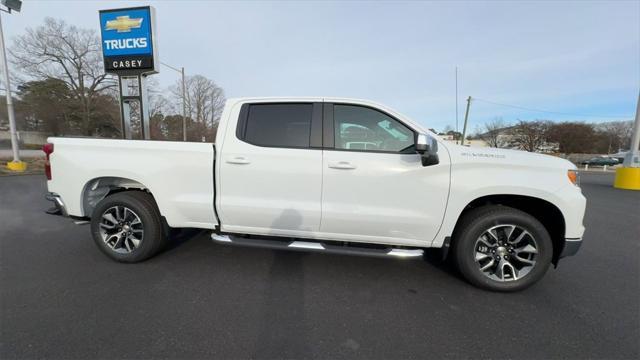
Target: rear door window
[{"x": 279, "y": 125}]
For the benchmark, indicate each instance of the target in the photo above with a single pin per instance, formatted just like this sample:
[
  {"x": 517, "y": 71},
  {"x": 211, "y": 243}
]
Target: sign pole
[
  {"x": 129, "y": 51},
  {"x": 144, "y": 107},
  {"x": 125, "y": 126}
]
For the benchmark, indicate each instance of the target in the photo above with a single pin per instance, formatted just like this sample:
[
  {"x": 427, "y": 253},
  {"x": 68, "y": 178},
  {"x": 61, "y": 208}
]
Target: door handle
[
  {"x": 344, "y": 165},
  {"x": 240, "y": 160}
]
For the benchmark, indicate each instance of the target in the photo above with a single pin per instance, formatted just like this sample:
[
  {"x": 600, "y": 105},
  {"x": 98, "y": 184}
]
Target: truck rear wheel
[
  {"x": 500, "y": 248},
  {"x": 127, "y": 226}
]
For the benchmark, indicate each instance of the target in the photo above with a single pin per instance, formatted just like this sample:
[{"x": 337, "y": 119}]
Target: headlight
[{"x": 573, "y": 177}]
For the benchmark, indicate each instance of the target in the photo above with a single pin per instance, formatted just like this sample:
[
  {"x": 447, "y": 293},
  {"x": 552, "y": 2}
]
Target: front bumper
[
  {"x": 571, "y": 247},
  {"x": 59, "y": 207}
]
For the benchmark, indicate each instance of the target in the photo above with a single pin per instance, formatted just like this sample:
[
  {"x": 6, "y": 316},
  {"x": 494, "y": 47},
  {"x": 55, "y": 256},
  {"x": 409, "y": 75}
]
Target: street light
[
  {"x": 16, "y": 164},
  {"x": 184, "y": 100}
]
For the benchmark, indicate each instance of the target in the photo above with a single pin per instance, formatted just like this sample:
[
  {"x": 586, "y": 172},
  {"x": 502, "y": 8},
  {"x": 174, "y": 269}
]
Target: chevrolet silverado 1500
[{"x": 328, "y": 175}]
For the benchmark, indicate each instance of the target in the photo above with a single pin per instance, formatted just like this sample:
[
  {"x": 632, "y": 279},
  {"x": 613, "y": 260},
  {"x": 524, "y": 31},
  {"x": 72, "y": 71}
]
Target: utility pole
[
  {"x": 184, "y": 99},
  {"x": 16, "y": 164},
  {"x": 466, "y": 117},
  {"x": 456, "y": 101},
  {"x": 184, "y": 107}
]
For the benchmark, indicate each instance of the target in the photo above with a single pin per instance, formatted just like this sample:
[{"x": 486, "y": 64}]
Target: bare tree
[
  {"x": 205, "y": 102},
  {"x": 530, "y": 135},
  {"x": 205, "y": 99},
  {"x": 573, "y": 137},
  {"x": 159, "y": 104},
  {"x": 618, "y": 134},
  {"x": 493, "y": 133},
  {"x": 61, "y": 51}
]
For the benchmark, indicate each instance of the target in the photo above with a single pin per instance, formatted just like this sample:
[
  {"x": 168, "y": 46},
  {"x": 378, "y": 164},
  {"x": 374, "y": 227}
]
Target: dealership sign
[{"x": 128, "y": 40}]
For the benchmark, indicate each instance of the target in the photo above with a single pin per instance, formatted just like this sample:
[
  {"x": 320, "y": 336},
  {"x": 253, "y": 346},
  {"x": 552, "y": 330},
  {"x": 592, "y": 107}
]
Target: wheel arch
[
  {"x": 98, "y": 188},
  {"x": 544, "y": 211}
]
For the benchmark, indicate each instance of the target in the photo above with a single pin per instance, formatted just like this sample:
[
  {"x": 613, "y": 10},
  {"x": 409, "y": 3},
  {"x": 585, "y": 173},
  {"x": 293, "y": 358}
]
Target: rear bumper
[
  {"x": 59, "y": 207},
  {"x": 571, "y": 247}
]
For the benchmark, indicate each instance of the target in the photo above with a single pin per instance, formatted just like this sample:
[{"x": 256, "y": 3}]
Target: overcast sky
[{"x": 580, "y": 58}]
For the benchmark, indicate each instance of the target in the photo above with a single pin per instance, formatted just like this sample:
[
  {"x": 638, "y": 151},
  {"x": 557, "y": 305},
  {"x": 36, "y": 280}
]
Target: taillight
[{"x": 48, "y": 150}]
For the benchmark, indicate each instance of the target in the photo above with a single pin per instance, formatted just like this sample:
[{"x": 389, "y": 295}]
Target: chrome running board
[{"x": 315, "y": 246}]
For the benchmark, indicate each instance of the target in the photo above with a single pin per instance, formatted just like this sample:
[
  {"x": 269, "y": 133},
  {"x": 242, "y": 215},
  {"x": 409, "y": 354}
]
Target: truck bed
[{"x": 178, "y": 174}]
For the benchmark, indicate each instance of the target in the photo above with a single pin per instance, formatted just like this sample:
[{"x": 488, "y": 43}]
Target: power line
[{"x": 550, "y": 112}]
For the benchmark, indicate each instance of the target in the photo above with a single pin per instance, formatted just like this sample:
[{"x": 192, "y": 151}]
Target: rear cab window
[{"x": 277, "y": 125}]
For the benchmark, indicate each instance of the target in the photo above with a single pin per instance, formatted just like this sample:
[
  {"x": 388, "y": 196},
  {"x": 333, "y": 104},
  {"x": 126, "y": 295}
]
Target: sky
[{"x": 578, "y": 59}]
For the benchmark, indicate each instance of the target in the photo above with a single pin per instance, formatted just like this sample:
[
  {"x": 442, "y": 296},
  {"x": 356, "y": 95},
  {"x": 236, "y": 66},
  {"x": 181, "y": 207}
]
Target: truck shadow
[
  {"x": 433, "y": 260},
  {"x": 178, "y": 237}
]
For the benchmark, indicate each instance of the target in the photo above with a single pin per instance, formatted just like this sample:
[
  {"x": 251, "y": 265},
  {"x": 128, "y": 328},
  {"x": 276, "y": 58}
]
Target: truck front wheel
[
  {"x": 127, "y": 226},
  {"x": 501, "y": 248}
]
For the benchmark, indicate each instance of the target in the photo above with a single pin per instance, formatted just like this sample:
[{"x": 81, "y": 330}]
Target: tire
[
  {"x": 127, "y": 226},
  {"x": 481, "y": 233}
]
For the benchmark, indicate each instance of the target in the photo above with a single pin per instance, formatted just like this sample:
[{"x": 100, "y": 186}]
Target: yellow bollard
[
  {"x": 627, "y": 178},
  {"x": 17, "y": 166}
]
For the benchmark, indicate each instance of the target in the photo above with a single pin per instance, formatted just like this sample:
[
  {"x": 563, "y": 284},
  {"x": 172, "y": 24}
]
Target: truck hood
[{"x": 503, "y": 157}]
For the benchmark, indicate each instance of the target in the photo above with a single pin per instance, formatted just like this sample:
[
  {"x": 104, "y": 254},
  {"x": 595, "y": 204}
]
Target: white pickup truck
[{"x": 328, "y": 175}]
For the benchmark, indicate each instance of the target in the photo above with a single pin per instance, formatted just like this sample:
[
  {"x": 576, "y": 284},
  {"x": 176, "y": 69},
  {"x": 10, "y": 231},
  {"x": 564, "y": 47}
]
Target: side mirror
[
  {"x": 422, "y": 143},
  {"x": 428, "y": 148}
]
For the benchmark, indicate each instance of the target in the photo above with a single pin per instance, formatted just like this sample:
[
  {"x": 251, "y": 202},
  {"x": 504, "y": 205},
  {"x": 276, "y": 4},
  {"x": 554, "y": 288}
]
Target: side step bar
[{"x": 304, "y": 245}]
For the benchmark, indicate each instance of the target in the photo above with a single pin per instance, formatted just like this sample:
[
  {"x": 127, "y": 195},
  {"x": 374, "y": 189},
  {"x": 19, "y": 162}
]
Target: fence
[{"x": 24, "y": 137}]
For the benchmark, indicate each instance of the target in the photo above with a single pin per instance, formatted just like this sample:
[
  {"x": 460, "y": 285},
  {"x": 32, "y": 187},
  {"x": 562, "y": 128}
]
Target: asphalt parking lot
[{"x": 61, "y": 298}]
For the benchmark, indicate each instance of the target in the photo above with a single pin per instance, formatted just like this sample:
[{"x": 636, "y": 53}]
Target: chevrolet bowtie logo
[{"x": 124, "y": 24}]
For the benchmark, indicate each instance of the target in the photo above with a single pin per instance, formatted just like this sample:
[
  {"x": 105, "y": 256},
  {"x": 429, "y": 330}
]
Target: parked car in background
[
  {"x": 619, "y": 156},
  {"x": 601, "y": 161}
]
